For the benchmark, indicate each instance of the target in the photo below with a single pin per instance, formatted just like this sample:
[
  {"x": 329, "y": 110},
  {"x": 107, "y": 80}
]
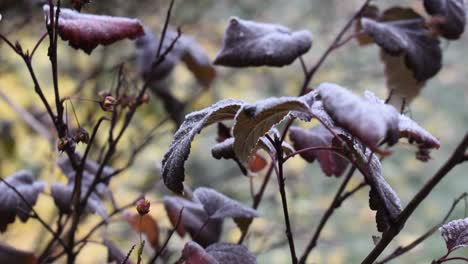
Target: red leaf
[
  {"x": 86, "y": 32},
  {"x": 11, "y": 255},
  {"x": 257, "y": 163}
]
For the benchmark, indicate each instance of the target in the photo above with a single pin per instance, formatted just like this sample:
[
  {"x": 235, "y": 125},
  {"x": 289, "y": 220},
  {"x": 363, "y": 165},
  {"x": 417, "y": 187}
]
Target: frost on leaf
[
  {"x": 449, "y": 16},
  {"x": 179, "y": 150},
  {"x": 382, "y": 197},
  {"x": 217, "y": 205},
  {"x": 11, "y": 204},
  {"x": 208, "y": 207},
  {"x": 231, "y": 254},
  {"x": 86, "y": 31},
  {"x": 409, "y": 129},
  {"x": 192, "y": 219},
  {"x": 186, "y": 50},
  {"x": 371, "y": 122},
  {"x": 9, "y": 254},
  {"x": 62, "y": 194},
  {"x": 217, "y": 253},
  {"x": 319, "y": 136},
  {"x": 249, "y": 43},
  {"x": 253, "y": 121},
  {"x": 455, "y": 234}
]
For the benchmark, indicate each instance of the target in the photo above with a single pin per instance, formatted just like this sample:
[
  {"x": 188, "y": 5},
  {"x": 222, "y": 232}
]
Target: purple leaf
[
  {"x": 231, "y": 254},
  {"x": 451, "y": 15},
  {"x": 186, "y": 50},
  {"x": 217, "y": 253},
  {"x": 62, "y": 194},
  {"x": 114, "y": 254},
  {"x": 11, "y": 204},
  {"x": 193, "y": 219},
  {"x": 217, "y": 205},
  {"x": 371, "y": 122},
  {"x": 455, "y": 234},
  {"x": 9, "y": 254},
  {"x": 195, "y": 254},
  {"x": 330, "y": 162},
  {"x": 179, "y": 150},
  {"x": 248, "y": 43},
  {"x": 86, "y": 32},
  {"x": 407, "y": 38}
]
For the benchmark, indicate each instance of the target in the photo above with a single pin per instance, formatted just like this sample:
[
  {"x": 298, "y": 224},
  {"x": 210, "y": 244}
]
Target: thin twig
[
  {"x": 326, "y": 216},
  {"x": 161, "y": 250},
  {"x": 128, "y": 254},
  {"x": 284, "y": 202}
]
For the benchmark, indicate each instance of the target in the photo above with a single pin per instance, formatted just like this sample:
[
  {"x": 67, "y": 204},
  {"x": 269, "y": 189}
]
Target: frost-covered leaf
[
  {"x": 253, "y": 121},
  {"x": 455, "y": 234},
  {"x": 450, "y": 14},
  {"x": 217, "y": 205},
  {"x": 382, "y": 197},
  {"x": 9, "y": 254},
  {"x": 218, "y": 253},
  {"x": 372, "y": 123},
  {"x": 319, "y": 136},
  {"x": 192, "y": 219},
  {"x": 409, "y": 129},
  {"x": 370, "y": 11},
  {"x": 249, "y": 43},
  {"x": 186, "y": 50},
  {"x": 416, "y": 134},
  {"x": 408, "y": 38},
  {"x": 231, "y": 253},
  {"x": 147, "y": 225},
  {"x": 193, "y": 253},
  {"x": 86, "y": 32},
  {"x": 11, "y": 205},
  {"x": 208, "y": 208},
  {"x": 179, "y": 150},
  {"x": 115, "y": 254}
]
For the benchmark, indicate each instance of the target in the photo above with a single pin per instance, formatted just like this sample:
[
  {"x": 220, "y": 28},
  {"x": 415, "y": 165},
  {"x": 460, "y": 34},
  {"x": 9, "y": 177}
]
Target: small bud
[
  {"x": 18, "y": 47},
  {"x": 66, "y": 143},
  {"x": 145, "y": 99},
  {"x": 80, "y": 135},
  {"x": 109, "y": 103},
  {"x": 143, "y": 206}
]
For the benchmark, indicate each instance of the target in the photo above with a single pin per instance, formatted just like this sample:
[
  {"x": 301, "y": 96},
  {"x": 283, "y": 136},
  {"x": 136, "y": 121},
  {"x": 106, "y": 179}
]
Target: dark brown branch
[
  {"x": 393, "y": 231},
  {"x": 284, "y": 202},
  {"x": 161, "y": 250},
  {"x": 332, "y": 47},
  {"x": 337, "y": 200},
  {"x": 404, "y": 249}
]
